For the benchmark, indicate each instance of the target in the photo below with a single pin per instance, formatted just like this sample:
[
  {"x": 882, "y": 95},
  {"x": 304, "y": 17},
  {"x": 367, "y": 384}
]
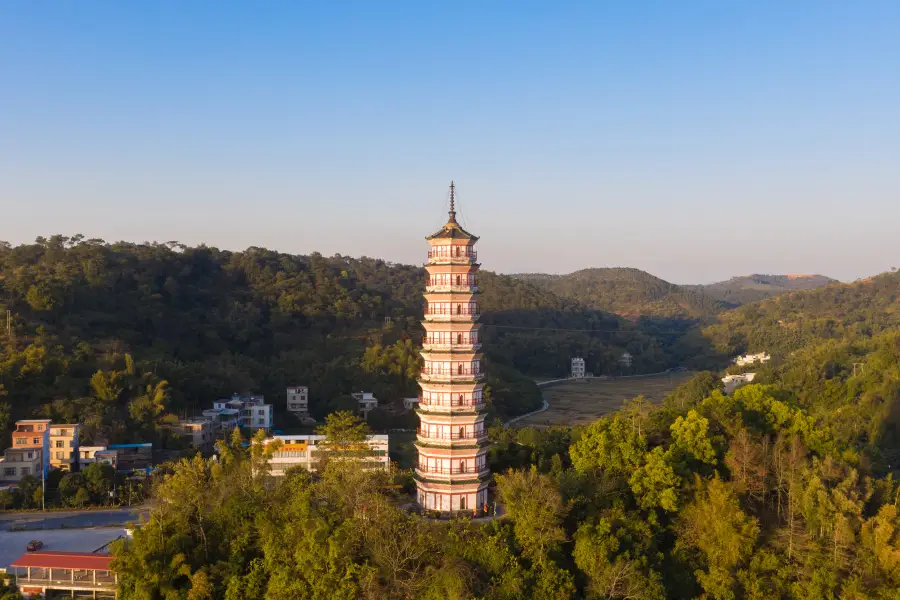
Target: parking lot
[{"x": 12, "y": 543}]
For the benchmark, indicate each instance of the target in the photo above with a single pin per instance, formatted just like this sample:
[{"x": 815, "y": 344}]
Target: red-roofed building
[{"x": 82, "y": 574}]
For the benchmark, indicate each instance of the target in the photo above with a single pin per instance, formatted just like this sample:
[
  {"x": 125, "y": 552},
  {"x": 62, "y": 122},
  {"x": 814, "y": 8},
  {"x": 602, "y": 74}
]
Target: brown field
[{"x": 582, "y": 402}]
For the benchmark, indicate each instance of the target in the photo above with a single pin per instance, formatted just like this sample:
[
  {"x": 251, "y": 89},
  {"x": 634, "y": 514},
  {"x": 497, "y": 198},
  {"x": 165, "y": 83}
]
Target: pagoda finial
[{"x": 452, "y": 202}]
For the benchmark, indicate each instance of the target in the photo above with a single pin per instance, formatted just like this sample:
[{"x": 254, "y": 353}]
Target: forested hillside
[
  {"x": 124, "y": 337},
  {"x": 749, "y": 288},
  {"x": 629, "y": 293},
  {"x": 785, "y": 323}
]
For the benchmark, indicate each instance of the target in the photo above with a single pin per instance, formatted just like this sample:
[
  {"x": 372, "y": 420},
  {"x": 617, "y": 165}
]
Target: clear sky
[{"x": 696, "y": 140}]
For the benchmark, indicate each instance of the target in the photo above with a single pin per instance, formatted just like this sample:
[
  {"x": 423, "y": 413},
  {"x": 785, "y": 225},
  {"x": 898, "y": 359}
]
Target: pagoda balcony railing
[
  {"x": 452, "y": 312},
  {"x": 439, "y": 344},
  {"x": 450, "y": 375},
  {"x": 435, "y": 254},
  {"x": 464, "y": 288},
  {"x": 453, "y": 403},
  {"x": 452, "y": 436},
  {"x": 453, "y": 470}
]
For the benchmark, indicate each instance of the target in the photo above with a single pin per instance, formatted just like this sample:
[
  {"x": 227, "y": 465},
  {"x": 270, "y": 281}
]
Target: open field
[{"x": 582, "y": 402}]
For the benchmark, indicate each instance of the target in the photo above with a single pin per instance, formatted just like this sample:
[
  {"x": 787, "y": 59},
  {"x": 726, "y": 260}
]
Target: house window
[
  {"x": 59, "y": 455},
  {"x": 35, "y": 440},
  {"x": 11, "y": 471},
  {"x": 20, "y": 441},
  {"x": 25, "y": 471},
  {"x": 60, "y": 444}
]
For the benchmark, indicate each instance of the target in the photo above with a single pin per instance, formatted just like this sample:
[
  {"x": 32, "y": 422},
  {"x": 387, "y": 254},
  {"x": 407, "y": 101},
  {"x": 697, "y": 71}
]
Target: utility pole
[
  {"x": 43, "y": 483},
  {"x": 8, "y": 323}
]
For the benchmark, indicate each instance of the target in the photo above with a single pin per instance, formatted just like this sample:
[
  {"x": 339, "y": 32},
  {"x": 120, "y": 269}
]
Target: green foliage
[{"x": 612, "y": 443}]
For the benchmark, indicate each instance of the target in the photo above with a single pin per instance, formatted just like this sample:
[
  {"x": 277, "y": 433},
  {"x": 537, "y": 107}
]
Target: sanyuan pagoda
[{"x": 452, "y": 473}]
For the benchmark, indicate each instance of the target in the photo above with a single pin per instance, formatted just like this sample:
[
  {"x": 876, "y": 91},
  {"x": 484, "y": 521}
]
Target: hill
[
  {"x": 124, "y": 337},
  {"x": 785, "y": 323},
  {"x": 749, "y": 288},
  {"x": 629, "y": 293}
]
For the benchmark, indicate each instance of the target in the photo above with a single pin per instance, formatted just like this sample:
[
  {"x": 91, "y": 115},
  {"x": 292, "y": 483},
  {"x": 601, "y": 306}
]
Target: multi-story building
[
  {"x": 241, "y": 411},
  {"x": 18, "y": 462},
  {"x": 88, "y": 455},
  {"x": 733, "y": 382},
  {"x": 64, "y": 447},
  {"x": 302, "y": 451},
  {"x": 33, "y": 433},
  {"x": 298, "y": 400},
  {"x": 200, "y": 431},
  {"x": 365, "y": 402},
  {"x": 578, "y": 368},
  {"x": 452, "y": 472},
  {"x": 132, "y": 457}
]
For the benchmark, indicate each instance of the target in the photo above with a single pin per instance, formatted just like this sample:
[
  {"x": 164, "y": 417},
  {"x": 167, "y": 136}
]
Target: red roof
[{"x": 48, "y": 559}]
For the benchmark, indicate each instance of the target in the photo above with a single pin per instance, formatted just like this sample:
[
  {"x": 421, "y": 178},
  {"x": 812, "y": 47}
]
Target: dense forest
[
  {"x": 630, "y": 293},
  {"x": 784, "y": 489},
  {"x": 127, "y": 337}
]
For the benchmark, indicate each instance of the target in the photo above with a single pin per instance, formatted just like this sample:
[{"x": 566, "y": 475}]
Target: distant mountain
[
  {"x": 750, "y": 288},
  {"x": 629, "y": 293},
  {"x": 785, "y": 323}
]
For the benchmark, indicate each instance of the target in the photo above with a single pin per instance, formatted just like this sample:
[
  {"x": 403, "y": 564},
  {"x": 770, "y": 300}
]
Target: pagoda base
[{"x": 445, "y": 497}]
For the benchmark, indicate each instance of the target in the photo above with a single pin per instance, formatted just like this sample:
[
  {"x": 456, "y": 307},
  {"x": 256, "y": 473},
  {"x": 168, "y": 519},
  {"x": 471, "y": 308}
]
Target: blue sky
[{"x": 695, "y": 140}]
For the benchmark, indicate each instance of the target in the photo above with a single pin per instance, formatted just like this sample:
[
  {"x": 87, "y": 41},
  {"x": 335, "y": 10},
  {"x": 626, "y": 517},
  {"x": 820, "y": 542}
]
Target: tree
[
  {"x": 610, "y": 443},
  {"x": 82, "y": 497},
  {"x": 655, "y": 484},
  {"x": 536, "y": 508},
  {"x": 690, "y": 438},
  {"x": 715, "y": 526}
]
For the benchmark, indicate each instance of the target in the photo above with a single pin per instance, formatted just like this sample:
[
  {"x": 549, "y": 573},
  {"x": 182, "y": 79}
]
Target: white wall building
[
  {"x": 577, "y": 368},
  {"x": 298, "y": 400},
  {"x": 301, "y": 451},
  {"x": 410, "y": 403},
  {"x": 733, "y": 382},
  {"x": 88, "y": 455},
  {"x": 241, "y": 411},
  {"x": 749, "y": 359},
  {"x": 365, "y": 401}
]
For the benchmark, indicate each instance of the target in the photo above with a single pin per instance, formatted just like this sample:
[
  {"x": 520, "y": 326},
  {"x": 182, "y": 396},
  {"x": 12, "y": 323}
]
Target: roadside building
[
  {"x": 201, "y": 432},
  {"x": 248, "y": 411},
  {"x": 578, "y": 370},
  {"x": 365, "y": 402},
  {"x": 33, "y": 434},
  {"x": 54, "y": 574},
  {"x": 411, "y": 403},
  {"x": 133, "y": 457},
  {"x": 17, "y": 463},
  {"x": 108, "y": 457},
  {"x": 626, "y": 359},
  {"x": 298, "y": 400},
  {"x": 304, "y": 451},
  {"x": 64, "y": 446},
  {"x": 87, "y": 455}
]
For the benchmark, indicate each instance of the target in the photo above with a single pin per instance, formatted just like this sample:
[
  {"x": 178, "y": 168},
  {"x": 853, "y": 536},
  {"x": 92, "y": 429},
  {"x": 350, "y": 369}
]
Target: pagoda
[{"x": 452, "y": 473}]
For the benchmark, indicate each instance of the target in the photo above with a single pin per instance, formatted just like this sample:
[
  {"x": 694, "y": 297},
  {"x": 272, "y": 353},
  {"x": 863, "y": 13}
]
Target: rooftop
[
  {"x": 452, "y": 230},
  {"x": 64, "y": 560},
  {"x": 33, "y": 421},
  {"x": 143, "y": 445}
]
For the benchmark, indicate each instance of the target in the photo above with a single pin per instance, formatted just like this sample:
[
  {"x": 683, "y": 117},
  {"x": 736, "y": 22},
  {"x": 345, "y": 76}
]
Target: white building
[
  {"x": 241, "y": 411},
  {"x": 733, "y": 382},
  {"x": 749, "y": 359},
  {"x": 365, "y": 401},
  {"x": 577, "y": 368},
  {"x": 301, "y": 451},
  {"x": 298, "y": 400},
  {"x": 88, "y": 455},
  {"x": 625, "y": 359},
  {"x": 410, "y": 403}
]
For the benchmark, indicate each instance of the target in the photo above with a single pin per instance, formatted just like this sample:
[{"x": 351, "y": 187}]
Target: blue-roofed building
[{"x": 133, "y": 457}]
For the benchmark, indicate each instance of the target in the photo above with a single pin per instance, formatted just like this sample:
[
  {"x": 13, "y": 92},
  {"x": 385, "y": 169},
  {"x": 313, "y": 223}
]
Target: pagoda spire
[{"x": 452, "y": 202}]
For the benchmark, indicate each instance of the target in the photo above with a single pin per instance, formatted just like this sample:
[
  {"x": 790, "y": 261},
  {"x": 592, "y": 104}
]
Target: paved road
[
  {"x": 69, "y": 519},
  {"x": 12, "y": 543}
]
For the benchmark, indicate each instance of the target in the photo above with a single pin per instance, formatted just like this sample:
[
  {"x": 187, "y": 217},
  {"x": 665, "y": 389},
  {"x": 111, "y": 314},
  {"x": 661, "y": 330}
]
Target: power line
[{"x": 567, "y": 329}]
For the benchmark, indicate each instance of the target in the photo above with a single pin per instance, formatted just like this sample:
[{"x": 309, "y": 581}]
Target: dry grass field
[{"x": 582, "y": 402}]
